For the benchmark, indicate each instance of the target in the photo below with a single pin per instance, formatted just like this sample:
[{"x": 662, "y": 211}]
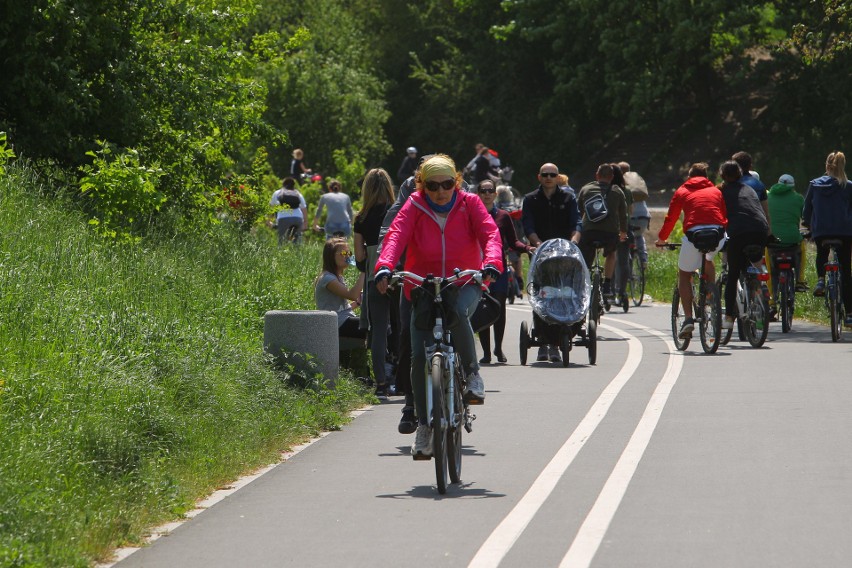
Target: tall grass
[{"x": 132, "y": 378}]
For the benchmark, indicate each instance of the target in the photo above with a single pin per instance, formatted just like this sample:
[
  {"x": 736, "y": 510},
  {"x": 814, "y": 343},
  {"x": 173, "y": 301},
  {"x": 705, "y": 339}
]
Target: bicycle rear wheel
[
  {"x": 597, "y": 300},
  {"x": 786, "y": 301},
  {"x": 456, "y": 423},
  {"x": 710, "y": 326},
  {"x": 756, "y": 324},
  {"x": 834, "y": 305},
  {"x": 677, "y": 320},
  {"x": 439, "y": 429},
  {"x": 636, "y": 284}
]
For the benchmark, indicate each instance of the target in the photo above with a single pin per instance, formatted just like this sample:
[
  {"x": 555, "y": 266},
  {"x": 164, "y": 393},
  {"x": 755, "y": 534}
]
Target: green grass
[{"x": 132, "y": 378}]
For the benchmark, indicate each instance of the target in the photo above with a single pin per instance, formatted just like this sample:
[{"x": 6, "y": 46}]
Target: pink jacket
[{"x": 469, "y": 238}]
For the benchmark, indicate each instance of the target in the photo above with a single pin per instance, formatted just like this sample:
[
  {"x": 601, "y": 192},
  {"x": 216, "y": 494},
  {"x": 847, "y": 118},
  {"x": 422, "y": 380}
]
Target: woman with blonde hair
[
  {"x": 441, "y": 228},
  {"x": 828, "y": 214},
  {"x": 377, "y": 311}
]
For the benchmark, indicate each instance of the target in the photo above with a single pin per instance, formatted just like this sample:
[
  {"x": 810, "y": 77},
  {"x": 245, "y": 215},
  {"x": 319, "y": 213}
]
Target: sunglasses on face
[
  {"x": 346, "y": 253},
  {"x": 436, "y": 185},
  {"x": 487, "y": 190},
  {"x": 548, "y": 174}
]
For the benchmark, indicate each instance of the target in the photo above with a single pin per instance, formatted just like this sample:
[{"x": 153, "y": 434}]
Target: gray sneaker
[
  {"x": 422, "y": 448},
  {"x": 542, "y": 354},
  {"x": 686, "y": 328},
  {"x": 475, "y": 391},
  {"x": 555, "y": 356}
]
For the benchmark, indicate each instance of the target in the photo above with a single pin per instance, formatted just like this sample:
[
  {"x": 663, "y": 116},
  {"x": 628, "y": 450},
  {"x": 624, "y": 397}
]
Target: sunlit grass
[{"x": 132, "y": 378}]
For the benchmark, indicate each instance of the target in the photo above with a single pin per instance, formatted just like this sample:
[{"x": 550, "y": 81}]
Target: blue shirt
[{"x": 756, "y": 185}]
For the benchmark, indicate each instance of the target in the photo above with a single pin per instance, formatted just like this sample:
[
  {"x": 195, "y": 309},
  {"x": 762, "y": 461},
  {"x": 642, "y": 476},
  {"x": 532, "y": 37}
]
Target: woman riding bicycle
[
  {"x": 703, "y": 207},
  {"x": 828, "y": 214},
  {"x": 441, "y": 228},
  {"x": 747, "y": 225}
]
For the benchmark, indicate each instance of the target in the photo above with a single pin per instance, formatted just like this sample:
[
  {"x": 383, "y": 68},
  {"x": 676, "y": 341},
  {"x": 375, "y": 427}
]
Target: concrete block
[{"x": 304, "y": 331}]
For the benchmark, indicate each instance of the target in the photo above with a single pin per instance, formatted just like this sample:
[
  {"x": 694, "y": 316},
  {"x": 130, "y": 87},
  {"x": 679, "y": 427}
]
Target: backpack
[{"x": 595, "y": 208}]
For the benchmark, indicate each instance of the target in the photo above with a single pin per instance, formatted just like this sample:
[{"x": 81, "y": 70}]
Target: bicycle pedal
[{"x": 421, "y": 457}]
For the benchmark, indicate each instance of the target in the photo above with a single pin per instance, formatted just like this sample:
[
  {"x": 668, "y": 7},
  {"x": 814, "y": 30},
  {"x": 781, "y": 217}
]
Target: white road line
[
  {"x": 588, "y": 539},
  {"x": 501, "y": 540}
]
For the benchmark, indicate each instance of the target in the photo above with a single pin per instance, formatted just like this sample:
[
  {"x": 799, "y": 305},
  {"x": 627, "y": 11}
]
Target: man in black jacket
[{"x": 550, "y": 212}]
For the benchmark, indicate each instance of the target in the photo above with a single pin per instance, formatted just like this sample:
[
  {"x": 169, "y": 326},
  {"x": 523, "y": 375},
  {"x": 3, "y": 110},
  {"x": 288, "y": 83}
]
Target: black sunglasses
[
  {"x": 487, "y": 190},
  {"x": 436, "y": 185},
  {"x": 548, "y": 174}
]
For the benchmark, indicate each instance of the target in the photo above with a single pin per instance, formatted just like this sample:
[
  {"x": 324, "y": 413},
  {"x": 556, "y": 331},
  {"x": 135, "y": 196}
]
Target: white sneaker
[
  {"x": 727, "y": 322},
  {"x": 422, "y": 448},
  {"x": 475, "y": 391}
]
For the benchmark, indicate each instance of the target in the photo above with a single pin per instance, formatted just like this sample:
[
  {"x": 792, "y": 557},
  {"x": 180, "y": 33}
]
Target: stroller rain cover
[{"x": 558, "y": 282}]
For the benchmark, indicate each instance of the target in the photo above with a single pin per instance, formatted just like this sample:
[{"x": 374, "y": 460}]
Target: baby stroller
[{"x": 560, "y": 295}]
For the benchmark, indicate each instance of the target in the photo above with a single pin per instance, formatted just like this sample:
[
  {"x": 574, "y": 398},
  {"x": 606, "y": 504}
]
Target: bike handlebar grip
[{"x": 382, "y": 274}]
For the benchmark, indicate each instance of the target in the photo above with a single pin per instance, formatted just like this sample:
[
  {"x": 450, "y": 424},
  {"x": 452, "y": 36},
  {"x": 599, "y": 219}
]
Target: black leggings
[
  {"x": 499, "y": 328},
  {"x": 844, "y": 255}
]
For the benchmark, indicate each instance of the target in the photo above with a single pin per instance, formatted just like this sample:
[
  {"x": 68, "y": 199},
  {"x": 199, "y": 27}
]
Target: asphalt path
[{"x": 650, "y": 458}]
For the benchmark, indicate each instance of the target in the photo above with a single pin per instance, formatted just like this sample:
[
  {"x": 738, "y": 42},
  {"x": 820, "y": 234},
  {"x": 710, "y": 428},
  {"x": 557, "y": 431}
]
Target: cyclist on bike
[
  {"x": 747, "y": 225},
  {"x": 291, "y": 211},
  {"x": 828, "y": 214},
  {"x": 785, "y": 209},
  {"x": 703, "y": 208},
  {"x": 609, "y": 228},
  {"x": 440, "y": 228},
  {"x": 550, "y": 212}
]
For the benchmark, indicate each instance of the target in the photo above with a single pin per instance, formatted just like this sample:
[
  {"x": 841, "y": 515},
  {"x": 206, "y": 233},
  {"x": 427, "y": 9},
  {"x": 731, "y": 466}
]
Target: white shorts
[{"x": 690, "y": 257}]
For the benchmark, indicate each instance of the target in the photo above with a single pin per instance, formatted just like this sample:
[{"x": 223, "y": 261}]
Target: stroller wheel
[
  {"x": 524, "y": 342},
  {"x": 592, "y": 341},
  {"x": 566, "y": 348}
]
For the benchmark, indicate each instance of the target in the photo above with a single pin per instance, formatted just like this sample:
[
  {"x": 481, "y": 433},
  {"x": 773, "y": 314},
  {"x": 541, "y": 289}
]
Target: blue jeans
[
  {"x": 331, "y": 228},
  {"x": 463, "y": 342}
]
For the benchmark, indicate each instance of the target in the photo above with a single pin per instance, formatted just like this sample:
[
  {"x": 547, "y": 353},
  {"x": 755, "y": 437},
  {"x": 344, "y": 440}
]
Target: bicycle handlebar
[{"x": 398, "y": 275}]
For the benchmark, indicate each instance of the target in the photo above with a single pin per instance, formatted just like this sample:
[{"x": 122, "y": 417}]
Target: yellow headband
[{"x": 437, "y": 166}]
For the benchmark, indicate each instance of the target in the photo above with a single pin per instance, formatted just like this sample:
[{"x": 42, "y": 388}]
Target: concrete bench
[{"x": 308, "y": 331}]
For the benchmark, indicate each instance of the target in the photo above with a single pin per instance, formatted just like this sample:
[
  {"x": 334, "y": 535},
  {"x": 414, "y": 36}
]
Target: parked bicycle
[
  {"x": 752, "y": 307},
  {"x": 706, "y": 307},
  {"x": 445, "y": 378}
]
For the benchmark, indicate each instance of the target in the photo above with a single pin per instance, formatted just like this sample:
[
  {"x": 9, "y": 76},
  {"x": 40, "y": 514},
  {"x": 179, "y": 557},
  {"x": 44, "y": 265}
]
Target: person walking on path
[
  {"x": 550, "y": 212},
  {"x": 376, "y": 309},
  {"x": 499, "y": 288}
]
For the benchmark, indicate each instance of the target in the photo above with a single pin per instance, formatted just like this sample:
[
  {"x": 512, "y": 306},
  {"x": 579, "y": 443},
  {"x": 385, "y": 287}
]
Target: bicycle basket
[
  {"x": 705, "y": 238},
  {"x": 424, "y": 309}
]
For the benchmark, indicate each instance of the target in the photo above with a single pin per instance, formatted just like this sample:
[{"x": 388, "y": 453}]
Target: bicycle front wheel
[
  {"x": 725, "y": 336},
  {"x": 455, "y": 425},
  {"x": 439, "y": 427},
  {"x": 756, "y": 324},
  {"x": 710, "y": 326},
  {"x": 678, "y": 317},
  {"x": 636, "y": 284}
]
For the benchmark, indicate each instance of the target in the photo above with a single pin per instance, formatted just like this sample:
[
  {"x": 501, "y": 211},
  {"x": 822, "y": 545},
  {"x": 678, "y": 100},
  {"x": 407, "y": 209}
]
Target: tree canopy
[{"x": 197, "y": 87}]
